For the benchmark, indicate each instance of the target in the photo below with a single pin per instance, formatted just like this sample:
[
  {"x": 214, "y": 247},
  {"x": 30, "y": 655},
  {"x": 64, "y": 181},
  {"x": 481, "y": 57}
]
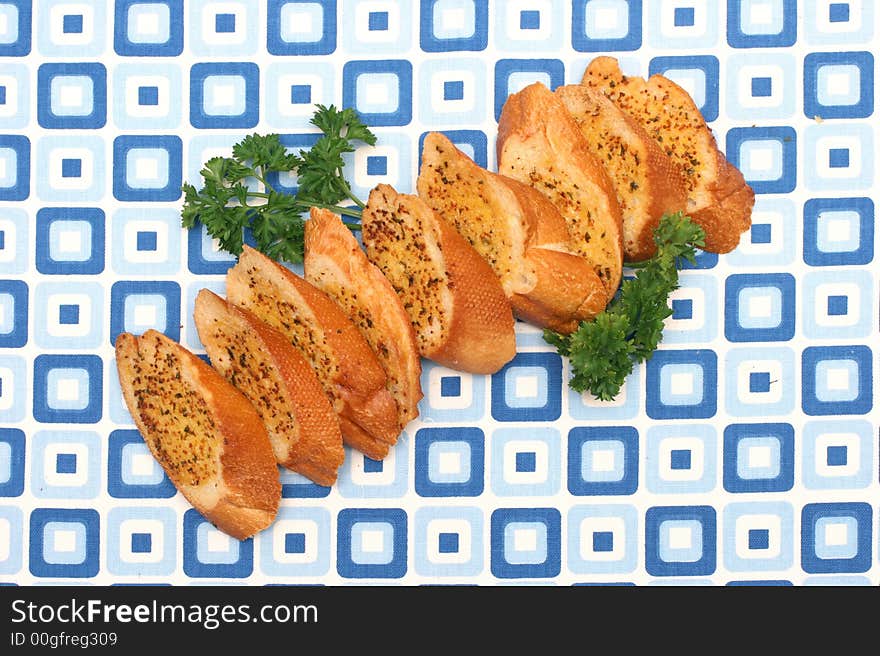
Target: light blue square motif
[
  {"x": 837, "y": 381},
  {"x": 13, "y": 403},
  {"x": 525, "y": 387},
  {"x": 759, "y": 307},
  {"x": 224, "y": 95},
  {"x": 449, "y": 462},
  {"x": 147, "y": 168},
  {"x": 72, "y": 95},
  {"x": 761, "y": 17},
  {"x": 5, "y": 463},
  {"x": 9, "y": 20},
  {"x": 454, "y": 19},
  {"x": 302, "y": 22},
  {"x": 601, "y": 539},
  {"x": 838, "y": 454},
  {"x": 141, "y": 541},
  {"x": 378, "y": 93},
  {"x": 467, "y": 405},
  {"x": 838, "y": 231},
  {"x": 758, "y": 458},
  {"x": 70, "y": 318},
  {"x": 680, "y": 541},
  {"x": 372, "y": 543},
  {"x": 139, "y": 467},
  {"x": 11, "y": 517},
  {"x": 144, "y": 311},
  {"x": 214, "y": 547},
  {"x": 66, "y": 465},
  {"x": 761, "y": 160},
  {"x": 64, "y": 543},
  {"x": 297, "y": 544},
  {"x": 149, "y": 23},
  {"x": 8, "y": 168},
  {"x": 602, "y": 461},
  {"x": 606, "y": 19},
  {"x": 525, "y": 462},
  {"x": 7, "y": 313},
  {"x": 758, "y": 536},
  {"x": 669, "y": 448},
  {"x": 67, "y": 389},
  {"x": 70, "y": 241},
  {"x": 525, "y": 543},
  {"x": 836, "y": 537},
  {"x": 819, "y": 142},
  {"x": 681, "y": 384},
  {"x": 838, "y": 84}
]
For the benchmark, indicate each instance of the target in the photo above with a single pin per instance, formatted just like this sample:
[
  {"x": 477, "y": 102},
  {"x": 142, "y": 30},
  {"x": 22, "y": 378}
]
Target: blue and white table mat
[{"x": 745, "y": 451}]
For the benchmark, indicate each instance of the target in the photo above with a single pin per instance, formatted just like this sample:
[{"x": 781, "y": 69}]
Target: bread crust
[
  {"x": 244, "y": 494},
  {"x": 356, "y": 381},
  {"x": 313, "y": 445},
  {"x": 617, "y": 138},
  {"x": 719, "y": 199},
  {"x": 335, "y": 263},
  {"x": 540, "y": 144},
  {"x": 547, "y": 284},
  {"x": 480, "y": 336}
]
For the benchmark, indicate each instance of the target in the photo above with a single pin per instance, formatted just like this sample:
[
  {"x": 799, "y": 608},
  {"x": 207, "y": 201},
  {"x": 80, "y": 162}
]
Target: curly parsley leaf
[
  {"x": 603, "y": 352},
  {"x": 237, "y": 194}
]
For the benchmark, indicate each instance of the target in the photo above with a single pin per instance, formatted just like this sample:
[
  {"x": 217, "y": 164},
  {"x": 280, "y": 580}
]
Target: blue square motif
[
  {"x": 72, "y": 24},
  {"x": 447, "y": 543},
  {"x": 838, "y": 12},
  {"x": 47, "y": 559},
  {"x": 530, "y": 20},
  {"x": 453, "y": 90},
  {"x": 450, "y": 386},
  {"x": 295, "y": 543},
  {"x": 606, "y": 25},
  {"x": 141, "y": 543},
  {"x": 838, "y": 158},
  {"x": 454, "y": 25},
  {"x": 603, "y": 460},
  {"x": 836, "y": 456},
  {"x": 449, "y": 462},
  {"x": 761, "y": 233},
  {"x": 71, "y": 168},
  {"x": 539, "y": 556},
  {"x": 680, "y": 459},
  {"x": 850, "y": 391},
  {"x": 68, "y": 315},
  {"x": 200, "y": 562},
  {"x": 836, "y": 537},
  {"x": 758, "y": 457},
  {"x": 682, "y": 309},
  {"x": 377, "y": 165},
  {"x": 603, "y": 541},
  {"x": 285, "y": 36},
  {"x": 683, "y": 17},
  {"x": 65, "y": 463},
  {"x": 525, "y": 461},
  {"x": 148, "y": 96},
  {"x": 148, "y": 29},
  {"x": 377, "y": 21},
  {"x": 680, "y": 540},
  {"x": 759, "y": 538},
  {"x": 353, "y": 561},
  {"x": 147, "y": 240},
  {"x": 838, "y": 306},
  {"x": 762, "y": 87},
  {"x": 300, "y": 94},
  {"x": 224, "y": 23},
  {"x": 759, "y": 382}
]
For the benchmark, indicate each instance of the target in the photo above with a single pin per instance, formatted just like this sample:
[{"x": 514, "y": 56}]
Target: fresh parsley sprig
[
  {"x": 603, "y": 352},
  {"x": 237, "y": 192}
]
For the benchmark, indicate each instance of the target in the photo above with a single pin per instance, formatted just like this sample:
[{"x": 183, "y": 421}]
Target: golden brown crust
[
  {"x": 336, "y": 264},
  {"x": 302, "y": 426},
  {"x": 243, "y": 492},
  {"x": 517, "y": 231},
  {"x": 648, "y": 182},
  {"x": 474, "y": 320},
  {"x": 718, "y": 197},
  {"x": 343, "y": 361},
  {"x": 540, "y": 144}
]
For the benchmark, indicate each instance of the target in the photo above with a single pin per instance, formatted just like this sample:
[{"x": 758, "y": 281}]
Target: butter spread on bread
[
  {"x": 540, "y": 144},
  {"x": 648, "y": 182},
  {"x": 719, "y": 199},
  {"x": 205, "y": 433},
  {"x": 518, "y": 231},
  {"x": 336, "y": 264},
  {"x": 461, "y": 316},
  {"x": 345, "y": 364},
  {"x": 279, "y": 382}
]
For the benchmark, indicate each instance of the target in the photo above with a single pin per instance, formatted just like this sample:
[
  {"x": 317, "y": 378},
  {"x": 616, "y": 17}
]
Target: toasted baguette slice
[
  {"x": 647, "y": 181},
  {"x": 279, "y": 382},
  {"x": 336, "y": 264},
  {"x": 518, "y": 231},
  {"x": 206, "y": 435},
  {"x": 540, "y": 144},
  {"x": 348, "y": 369},
  {"x": 456, "y": 304},
  {"x": 719, "y": 199}
]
